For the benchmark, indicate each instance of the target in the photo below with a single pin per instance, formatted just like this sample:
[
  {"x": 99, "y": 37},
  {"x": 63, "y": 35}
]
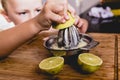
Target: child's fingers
[
  {"x": 57, "y": 18},
  {"x": 84, "y": 26},
  {"x": 71, "y": 10},
  {"x": 78, "y": 21},
  {"x": 81, "y": 24},
  {"x": 65, "y": 12}
]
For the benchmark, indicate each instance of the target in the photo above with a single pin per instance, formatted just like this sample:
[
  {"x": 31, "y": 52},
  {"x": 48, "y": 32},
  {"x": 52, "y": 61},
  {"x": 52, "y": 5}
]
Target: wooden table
[{"x": 22, "y": 64}]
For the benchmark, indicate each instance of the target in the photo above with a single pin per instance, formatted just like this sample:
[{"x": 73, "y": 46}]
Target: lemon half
[
  {"x": 89, "y": 62},
  {"x": 58, "y": 53},
  {"x": 68, "y": 23},
  {"x": 52, "y": 65}
]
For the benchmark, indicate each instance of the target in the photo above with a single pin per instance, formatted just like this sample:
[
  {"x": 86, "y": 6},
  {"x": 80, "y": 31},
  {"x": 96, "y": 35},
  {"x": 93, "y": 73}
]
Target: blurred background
[{"x": 103, "y": 16}]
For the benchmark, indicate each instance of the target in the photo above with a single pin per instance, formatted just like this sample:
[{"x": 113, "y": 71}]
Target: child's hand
[
  {"x": 53, "y": 11},
  {"x": 82, "y": 24}
]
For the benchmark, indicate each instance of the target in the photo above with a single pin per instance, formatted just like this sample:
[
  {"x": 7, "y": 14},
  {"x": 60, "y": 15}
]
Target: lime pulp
[{"x": 52, "y": 65}]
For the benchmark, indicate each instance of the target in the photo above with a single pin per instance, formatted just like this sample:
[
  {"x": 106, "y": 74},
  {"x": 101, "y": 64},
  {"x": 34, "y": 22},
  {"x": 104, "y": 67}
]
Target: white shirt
[{"x": 4, "y": 24}]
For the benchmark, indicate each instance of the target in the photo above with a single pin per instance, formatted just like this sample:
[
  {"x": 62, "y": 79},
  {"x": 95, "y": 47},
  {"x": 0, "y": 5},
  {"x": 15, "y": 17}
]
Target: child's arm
[{"x": 53, "y": 11}]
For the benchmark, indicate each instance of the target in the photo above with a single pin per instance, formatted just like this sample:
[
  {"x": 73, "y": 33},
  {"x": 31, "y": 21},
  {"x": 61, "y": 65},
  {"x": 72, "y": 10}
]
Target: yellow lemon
[
  {"x": 58, "y": 53},
  {"x": 89, "y": 62},
  {"x": 66, "y": 24},
  {"x": 52, "y": 65}
]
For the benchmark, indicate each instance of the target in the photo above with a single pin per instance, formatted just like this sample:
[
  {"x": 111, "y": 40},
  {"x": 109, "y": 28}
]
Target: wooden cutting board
[
  {"x": 22, "y": 64},
  {"x": 118, "y": 57}
]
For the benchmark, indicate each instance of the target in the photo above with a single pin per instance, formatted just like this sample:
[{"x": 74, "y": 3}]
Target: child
[
  {"x": 30, "y": 20},
  {"x": 17, "y": 11},
  {"x": 20, "y": 11}
]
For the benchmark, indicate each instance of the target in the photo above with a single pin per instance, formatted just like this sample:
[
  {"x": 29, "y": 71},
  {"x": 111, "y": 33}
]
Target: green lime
[
  {"x": 89, "y": 62},
  {"x": 52, "y": 65},
  {"x": 66, "y": 24},
  {"x": 58, "y": 53}
]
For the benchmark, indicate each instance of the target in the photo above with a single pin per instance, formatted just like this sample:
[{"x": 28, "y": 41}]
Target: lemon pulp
[
  {"x": 52, "y": 65},
  {"x": 90, "y": 59}
]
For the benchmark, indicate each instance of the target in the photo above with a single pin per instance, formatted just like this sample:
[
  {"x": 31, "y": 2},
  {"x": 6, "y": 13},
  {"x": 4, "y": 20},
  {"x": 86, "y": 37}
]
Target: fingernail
[
  {"x": 63, "y": 21},
  {"x": 66, "y": 16}
]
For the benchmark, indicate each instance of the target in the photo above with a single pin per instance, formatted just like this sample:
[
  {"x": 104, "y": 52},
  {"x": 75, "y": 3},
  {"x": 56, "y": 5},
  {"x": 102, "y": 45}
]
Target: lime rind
[
  {"x": 68, "y": 23},
  {"x": 58, "y": 53},
  {"x": 89, "y": 69}
]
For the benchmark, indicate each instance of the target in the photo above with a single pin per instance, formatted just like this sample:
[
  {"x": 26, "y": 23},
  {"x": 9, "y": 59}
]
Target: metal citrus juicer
[
  {"x": 68, "y": 35},
  {"x": 69, "y": 39}
]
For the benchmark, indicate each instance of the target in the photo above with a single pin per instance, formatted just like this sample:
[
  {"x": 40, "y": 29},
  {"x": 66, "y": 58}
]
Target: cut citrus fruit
[
  {"x": 66, "y": 24},
  {"x": 89, "y": 63},
  {"x": 58, "y": 53},
  {"x": 52, "y": 65}
]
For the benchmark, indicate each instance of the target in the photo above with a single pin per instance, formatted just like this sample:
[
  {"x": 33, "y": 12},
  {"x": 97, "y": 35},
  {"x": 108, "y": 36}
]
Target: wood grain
[
  {"x": 22, "y": 64},
  {"x": 119, "y": 56}
]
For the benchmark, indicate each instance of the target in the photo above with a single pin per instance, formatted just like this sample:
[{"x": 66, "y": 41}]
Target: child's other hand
[{"x": 81, "y": 24}]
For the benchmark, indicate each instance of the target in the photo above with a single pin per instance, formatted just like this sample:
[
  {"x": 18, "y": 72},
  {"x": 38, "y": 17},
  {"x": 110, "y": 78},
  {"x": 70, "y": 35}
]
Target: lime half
[
  {"x": 89, "y": 62},
  {"x": 58, "y": 53},
  {"x": 52, "y": 65},
  {"x": 68, "y": 23}
]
